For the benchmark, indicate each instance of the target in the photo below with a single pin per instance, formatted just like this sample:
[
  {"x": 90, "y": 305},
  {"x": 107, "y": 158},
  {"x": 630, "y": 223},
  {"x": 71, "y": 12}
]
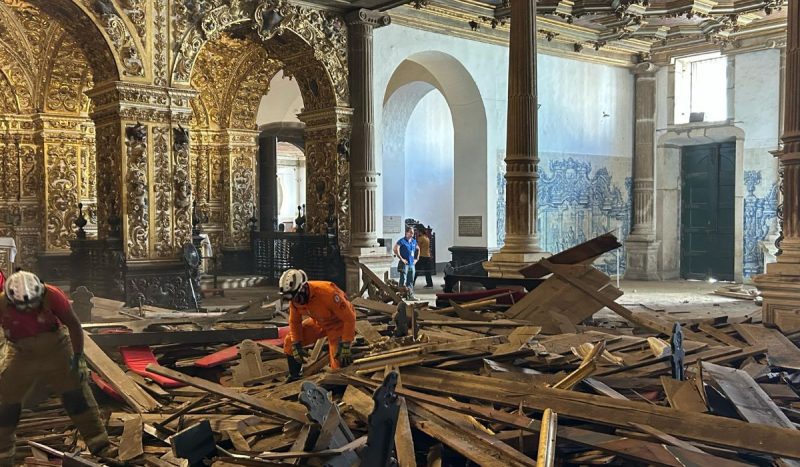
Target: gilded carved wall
[{"x": 98, "y": 107}]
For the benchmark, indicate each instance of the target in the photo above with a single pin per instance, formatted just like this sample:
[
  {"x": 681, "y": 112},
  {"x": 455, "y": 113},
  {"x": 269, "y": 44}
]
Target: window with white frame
[{"x": 701, "y": 88}]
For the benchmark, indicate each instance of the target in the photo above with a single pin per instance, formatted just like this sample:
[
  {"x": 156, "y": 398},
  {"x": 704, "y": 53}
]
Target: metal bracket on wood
[
  {"x": 382, "y": 424},
  {"x": 330, "y": 431},
  {"x": 676, "y": 357}
]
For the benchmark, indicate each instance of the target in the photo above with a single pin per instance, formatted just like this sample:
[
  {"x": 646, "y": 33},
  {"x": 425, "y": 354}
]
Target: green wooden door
[{"x": 707, "y": 211}]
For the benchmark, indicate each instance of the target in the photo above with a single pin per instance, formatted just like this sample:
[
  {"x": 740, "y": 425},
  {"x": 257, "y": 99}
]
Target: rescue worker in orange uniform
[
  {"x": 329, "y": 313},
  {"x": 38, "y": 348}
]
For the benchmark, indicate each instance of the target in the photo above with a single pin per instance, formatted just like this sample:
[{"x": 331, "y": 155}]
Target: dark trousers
[{"x": 425, "y": 266}]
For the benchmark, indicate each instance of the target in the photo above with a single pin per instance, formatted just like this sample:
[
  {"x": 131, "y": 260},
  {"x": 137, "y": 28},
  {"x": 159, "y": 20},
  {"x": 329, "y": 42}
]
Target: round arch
[{"x": 412, "y": 80}]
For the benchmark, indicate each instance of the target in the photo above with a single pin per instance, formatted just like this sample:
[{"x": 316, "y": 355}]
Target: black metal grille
[{"x": 317, "y": 255}]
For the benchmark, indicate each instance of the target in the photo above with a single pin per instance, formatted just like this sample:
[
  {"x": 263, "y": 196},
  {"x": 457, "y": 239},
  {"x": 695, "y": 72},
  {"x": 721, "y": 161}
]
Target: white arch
[{"x": 412, "y": 79}]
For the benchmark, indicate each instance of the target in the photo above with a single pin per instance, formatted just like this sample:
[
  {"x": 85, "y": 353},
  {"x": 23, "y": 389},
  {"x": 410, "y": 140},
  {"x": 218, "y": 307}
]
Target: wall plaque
[
  {"x": 470, "y": 226},
  {"x": 392, "y": 225}
]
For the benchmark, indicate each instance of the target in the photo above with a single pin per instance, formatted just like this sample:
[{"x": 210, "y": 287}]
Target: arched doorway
[{"x": 434, "y": 116}]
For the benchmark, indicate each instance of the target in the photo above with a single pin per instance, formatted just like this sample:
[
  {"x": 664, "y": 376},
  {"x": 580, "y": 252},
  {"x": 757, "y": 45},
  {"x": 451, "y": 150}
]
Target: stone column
[
  {"x": 780, "y": 286},
  {"x": 521, "y": 241},
  {"x": 363, "y": 175},
  {"x": 239, "y": 154},
  {"x": 641, "y": 245}
]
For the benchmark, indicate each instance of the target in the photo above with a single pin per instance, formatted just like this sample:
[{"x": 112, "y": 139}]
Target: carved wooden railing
[{"x": 318, "y": 255}]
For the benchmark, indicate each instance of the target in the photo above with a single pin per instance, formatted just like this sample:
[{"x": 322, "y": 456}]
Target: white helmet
[
  {"x": 291, "y": 281},
  {"x": 24, "y": 290}
]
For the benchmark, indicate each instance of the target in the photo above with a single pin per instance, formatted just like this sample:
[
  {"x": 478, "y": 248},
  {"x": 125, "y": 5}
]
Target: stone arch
[
  {"x": 413, "y": 79},
  {"x": 668, "y": 185}
]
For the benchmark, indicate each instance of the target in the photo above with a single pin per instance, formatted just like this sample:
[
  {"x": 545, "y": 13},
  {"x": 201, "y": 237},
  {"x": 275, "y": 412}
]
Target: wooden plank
[
  {"x": 284, "y": 409},
  {"x": 669, "y": 439},
  {"x": 403, "y": 441},
  {"x": 585, "y": 252},
  {"x": 369, "y": 332},
  {"x": 641, "y": 451},
  {"x": 607, "y": 411},
  {"x": 184, "y": 337},
  {"x": 377, "y": 282},
  {"x": 133, "y": 394},
  {"x": 683, "y": 395},
  {"x": 130, "y": 445},
  {"x": 782, "y": 352},
  {"x": 374, "y": 305},
  {"x": 467, "y": 443},
  {"x": 651, "y": 323},
  {"x": 752, "y": 403},
  {"x": 720, "y": 336}
]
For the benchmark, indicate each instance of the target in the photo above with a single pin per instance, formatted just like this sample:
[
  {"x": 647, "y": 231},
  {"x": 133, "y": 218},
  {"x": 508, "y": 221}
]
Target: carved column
[
  {"x": 143, "y": 172},
  {"x": 641, "y": 245},
  {"x": 521, "y": 242},
  {"x": 780, "y": 286},
  {"x": 239, "y": 154},
  {"x": 363, "y": 176}
]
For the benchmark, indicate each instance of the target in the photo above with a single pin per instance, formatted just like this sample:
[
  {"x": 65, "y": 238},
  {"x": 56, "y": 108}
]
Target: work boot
[{"x": 295, "y": 369}]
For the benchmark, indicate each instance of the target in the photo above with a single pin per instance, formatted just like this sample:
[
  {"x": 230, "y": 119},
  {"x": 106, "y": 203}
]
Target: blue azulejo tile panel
[
  {"x": 759, "y": 216},
  {"x": 578, "y": 200}
]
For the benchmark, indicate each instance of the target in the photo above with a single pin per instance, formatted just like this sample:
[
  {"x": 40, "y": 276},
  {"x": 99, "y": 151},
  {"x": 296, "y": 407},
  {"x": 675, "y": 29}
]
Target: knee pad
[{"x": 75, "y": 402}]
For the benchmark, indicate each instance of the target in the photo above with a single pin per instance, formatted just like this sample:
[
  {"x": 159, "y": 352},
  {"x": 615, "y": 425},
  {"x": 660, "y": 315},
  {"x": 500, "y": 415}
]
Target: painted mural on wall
[
  {"x": 576, "y": 203},
  {"x": 759, "y": 219}
]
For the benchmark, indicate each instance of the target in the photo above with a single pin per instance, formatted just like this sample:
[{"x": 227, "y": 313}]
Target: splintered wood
[{"x": 539, "y": 381}]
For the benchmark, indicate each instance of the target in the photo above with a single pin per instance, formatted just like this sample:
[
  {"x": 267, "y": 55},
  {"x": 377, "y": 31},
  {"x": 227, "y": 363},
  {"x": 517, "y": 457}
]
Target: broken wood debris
[{"x": 534, "y": 381}]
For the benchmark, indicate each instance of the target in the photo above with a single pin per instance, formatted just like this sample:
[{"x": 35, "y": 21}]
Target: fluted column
[
  {"x": 521, "y": 240},
  {"x": 641, "y": 245},
  {"x": 780, "y": 286},
  {"x": 363, "y": 175}
]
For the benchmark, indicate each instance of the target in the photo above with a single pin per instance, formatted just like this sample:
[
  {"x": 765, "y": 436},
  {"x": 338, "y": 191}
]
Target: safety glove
[
  {"x": 343, "y": 354},
  {"x": 299, "y": 353},
  {"x": 78, "y": 365}
]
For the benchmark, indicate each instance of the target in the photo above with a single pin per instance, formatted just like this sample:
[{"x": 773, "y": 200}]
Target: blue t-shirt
[{"x": 407, "y": 249}]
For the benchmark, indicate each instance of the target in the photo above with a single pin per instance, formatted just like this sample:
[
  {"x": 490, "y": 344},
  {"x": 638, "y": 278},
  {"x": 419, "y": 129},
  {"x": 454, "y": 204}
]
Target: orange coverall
[{"x": 330, "y": 314}]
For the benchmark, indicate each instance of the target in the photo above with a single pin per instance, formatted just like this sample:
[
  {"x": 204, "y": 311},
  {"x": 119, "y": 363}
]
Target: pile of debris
[{"x": 495, "y": 378}]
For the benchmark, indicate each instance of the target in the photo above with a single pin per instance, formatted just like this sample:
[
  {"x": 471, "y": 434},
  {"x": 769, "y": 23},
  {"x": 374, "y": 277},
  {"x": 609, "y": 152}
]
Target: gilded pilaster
[{"x": 328, "y": 170}]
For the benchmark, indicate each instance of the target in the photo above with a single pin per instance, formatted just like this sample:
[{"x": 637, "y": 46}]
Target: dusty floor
[{"x": 677, "y": 300}]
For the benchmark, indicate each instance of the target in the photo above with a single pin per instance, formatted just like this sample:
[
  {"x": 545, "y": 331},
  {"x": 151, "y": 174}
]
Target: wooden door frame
[{"x": 668, "y": 190}]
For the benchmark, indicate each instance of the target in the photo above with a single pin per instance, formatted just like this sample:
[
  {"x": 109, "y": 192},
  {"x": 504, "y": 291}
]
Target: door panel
[{"x": 707, "y": 211}]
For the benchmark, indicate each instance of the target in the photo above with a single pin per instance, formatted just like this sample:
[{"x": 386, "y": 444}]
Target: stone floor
[{"x": 677, "y": 300}]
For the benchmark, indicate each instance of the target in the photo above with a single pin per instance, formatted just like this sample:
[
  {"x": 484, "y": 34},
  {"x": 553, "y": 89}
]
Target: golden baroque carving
[
  {"x": 162, "y": 193},
  {"x": 160, "y": 43},
  {"x": 321, "y": 33},
  {"x": 242, "y": 186},
  {"x": 121, "y": 38},
  {"x": 183, "y": 187},
  {"x": 62, "y": 194},
  {"x": 31, "y": 166},
  {"x": 137, "y": 200}
]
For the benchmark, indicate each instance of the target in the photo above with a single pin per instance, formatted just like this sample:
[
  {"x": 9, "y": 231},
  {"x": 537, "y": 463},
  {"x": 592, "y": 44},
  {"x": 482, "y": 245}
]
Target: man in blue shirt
[{"x": 408, "y": 251}]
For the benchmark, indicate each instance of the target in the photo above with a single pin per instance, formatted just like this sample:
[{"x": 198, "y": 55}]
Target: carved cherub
[
  {"x": 180, "y": 136},
  {"x": 137, "y": 133}
]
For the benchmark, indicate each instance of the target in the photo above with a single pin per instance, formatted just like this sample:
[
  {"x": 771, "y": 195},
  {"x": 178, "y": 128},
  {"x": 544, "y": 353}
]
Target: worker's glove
[
  {"x": 78, "y": 365},
  {"x": 343, "y": 354},
  {"x": 299, "y": 353}
]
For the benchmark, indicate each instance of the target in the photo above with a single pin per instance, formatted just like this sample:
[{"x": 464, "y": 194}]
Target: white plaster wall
[
  {"x": 487, "y": 66},
  {"x": 574, "y": 98},
  {"x": 282, "y": 102},
  {"x": 753, "y": 106},
  {"x": 429, "y": 169}
]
